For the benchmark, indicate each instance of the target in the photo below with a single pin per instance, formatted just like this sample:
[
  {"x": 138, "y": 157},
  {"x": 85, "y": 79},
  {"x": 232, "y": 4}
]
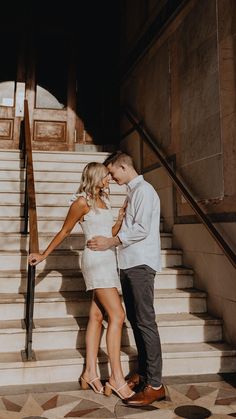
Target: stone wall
[{"x": 184, "y": 89}]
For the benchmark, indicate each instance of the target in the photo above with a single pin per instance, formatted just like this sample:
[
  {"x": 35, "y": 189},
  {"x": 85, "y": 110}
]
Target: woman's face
[{"x": 105, "y": 180}]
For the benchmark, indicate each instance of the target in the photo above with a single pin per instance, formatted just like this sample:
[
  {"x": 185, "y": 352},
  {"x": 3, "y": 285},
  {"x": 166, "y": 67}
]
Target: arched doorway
[{"x": 38, "y": 65}]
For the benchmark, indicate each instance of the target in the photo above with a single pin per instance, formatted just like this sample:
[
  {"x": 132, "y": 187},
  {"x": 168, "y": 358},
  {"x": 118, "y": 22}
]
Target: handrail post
[
  {"x": 26, "y": 206},
  {"x": 30, "y": 217},
  {"x": 29, "y": 354},
  {"x": 22, "y": 143}
]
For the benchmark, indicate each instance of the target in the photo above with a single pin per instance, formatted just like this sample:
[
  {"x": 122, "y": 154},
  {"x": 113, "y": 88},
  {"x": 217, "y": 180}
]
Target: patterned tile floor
[{"x": 208, "y": 397}]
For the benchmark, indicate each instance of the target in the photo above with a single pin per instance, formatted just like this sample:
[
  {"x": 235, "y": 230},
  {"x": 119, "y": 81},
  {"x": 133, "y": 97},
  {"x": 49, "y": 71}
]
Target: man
[{"x": 139, "y": 259}]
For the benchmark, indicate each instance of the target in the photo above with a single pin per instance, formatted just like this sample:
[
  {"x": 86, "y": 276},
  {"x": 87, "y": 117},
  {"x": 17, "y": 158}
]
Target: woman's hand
[
  {"x": 122, "y": 211},
  {"x": 35, "y": 258},
  {"x": 116, "y": 228}
]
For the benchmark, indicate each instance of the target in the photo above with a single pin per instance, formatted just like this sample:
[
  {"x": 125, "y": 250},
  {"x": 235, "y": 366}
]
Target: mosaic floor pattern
[{"x": 216, "y": 400}]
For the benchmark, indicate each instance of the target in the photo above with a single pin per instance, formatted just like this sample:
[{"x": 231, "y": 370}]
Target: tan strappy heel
[
  {"x": 109, "y": 389},
  {"x": 86, "y": 384}
]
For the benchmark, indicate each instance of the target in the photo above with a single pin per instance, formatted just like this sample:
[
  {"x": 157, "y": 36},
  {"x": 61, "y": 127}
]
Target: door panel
[
  {"x": 6, "y": 128},
  {"x": 49, "y": 131}
]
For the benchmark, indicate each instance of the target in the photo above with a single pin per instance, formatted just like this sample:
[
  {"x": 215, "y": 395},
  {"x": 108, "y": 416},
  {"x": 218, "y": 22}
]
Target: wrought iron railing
[
  {"x": 145, "y": 135},
  {"x": 30, "y": 227}
]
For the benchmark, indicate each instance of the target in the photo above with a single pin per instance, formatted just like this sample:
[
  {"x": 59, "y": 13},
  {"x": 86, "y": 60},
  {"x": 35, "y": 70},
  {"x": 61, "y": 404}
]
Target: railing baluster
[
  {"x": 26, "y": 206},
  {"x": 29, "y": 354}
]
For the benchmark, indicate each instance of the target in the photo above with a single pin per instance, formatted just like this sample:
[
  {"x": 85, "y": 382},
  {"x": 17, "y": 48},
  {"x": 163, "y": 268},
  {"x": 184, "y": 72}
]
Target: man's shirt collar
[{"x": 134, "y": 182}]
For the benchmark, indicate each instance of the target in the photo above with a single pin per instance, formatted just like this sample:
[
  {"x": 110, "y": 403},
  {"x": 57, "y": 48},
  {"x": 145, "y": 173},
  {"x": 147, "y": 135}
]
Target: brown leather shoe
[
  {"x": 146, "y": 397},
  {"x": 133, "y": 380}
]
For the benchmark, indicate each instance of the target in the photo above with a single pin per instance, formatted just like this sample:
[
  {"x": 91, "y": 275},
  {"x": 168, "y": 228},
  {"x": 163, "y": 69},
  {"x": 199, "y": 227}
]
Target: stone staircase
[{"x": 191, "y": 338}]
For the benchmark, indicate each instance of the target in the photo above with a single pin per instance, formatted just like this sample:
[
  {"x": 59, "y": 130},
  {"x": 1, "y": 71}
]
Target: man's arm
[
  {"x": 103, "y": 243},
  {"x": 139, "y": 229},
  {"x": 141, "y": 223}
]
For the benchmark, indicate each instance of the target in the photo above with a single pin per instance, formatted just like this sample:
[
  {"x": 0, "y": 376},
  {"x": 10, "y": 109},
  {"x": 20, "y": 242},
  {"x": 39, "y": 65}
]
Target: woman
[{"x": 91, "y": 208}]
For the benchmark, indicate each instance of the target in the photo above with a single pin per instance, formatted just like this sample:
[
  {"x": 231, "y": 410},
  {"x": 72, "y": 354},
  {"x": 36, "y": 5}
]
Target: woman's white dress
[{"x": 99, "y": 268}]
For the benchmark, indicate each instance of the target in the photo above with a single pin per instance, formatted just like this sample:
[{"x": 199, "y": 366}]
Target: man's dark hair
[{"x": 118, "y": 158}]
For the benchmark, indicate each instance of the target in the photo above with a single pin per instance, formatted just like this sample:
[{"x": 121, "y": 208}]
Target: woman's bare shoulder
[{"x": 80, "y": 204}]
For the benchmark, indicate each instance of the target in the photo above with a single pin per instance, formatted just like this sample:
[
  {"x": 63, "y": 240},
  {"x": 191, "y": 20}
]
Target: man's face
[{"x": 118, "y": 173}]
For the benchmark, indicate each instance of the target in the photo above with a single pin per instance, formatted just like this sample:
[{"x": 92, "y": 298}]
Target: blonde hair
[{"x": 92, "y": 175}]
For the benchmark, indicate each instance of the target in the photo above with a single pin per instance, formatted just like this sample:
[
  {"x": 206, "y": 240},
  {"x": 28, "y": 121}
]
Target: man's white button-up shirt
[{"x": 140, "y": 231}]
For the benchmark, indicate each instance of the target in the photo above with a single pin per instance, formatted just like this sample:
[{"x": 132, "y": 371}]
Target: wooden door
[
  {"x": 42, "y": 71},
  {"x": 51, "y": 91},
  {"x": 11, "y": 93}
]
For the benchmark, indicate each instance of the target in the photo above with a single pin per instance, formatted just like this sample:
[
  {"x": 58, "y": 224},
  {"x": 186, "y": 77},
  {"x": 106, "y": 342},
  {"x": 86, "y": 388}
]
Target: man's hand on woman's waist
[{"x": 102, "y": 243}]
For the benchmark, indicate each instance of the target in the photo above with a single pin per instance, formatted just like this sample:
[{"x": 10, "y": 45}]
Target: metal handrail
[
  {"x": 30, "y": 217},
  {"x": 139, "y": 127}
]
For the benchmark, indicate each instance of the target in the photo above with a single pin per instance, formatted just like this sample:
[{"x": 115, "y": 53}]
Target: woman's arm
[
  {"x": 116, "y": 227},
  {"x": 77, "y": 210}
]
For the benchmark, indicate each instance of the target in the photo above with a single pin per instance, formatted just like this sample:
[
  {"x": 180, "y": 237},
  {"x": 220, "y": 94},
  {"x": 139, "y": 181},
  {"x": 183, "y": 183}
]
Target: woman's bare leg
[
  {"x": 110, "y": 300},
  {"x": 92, "y": 339}
]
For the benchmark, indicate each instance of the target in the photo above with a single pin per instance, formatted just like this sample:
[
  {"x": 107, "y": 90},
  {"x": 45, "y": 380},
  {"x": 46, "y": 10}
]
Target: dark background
[{"x": 92, "y": 29}]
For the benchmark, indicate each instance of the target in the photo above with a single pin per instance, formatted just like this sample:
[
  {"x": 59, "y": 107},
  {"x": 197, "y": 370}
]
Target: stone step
[
  {"x": 76, "y": 304},
  {"x": 17, "y": 175},
  {"x": 53, "y": 187},
  {"x": 71, "y": 259},
  {"x": 42, "y": 199},
  {"x": 18, "y": 242},
  {"x": 12, "y": 164},
  {"x": 11, "y": 210},
  {"x": 69, "y": 280},
  {"x": 62, "y": 156},
  {"x": 42, "y": 176},
  {"x": 10, "y": 224},
  {"x": 73, "y": 162},
  {"x": 67, "y": 166},
  {"x": 9, "y": 154},
  {"x": 75, "y": 166},
  {"x": 69, "y": 156},
  {"x": 45, "y": 224},
  {"x": 66, "y": 365},
  {"x": 14, "y": 175},
  {"x": 69, "y": 333},
  {"x": 53, "y": 211},
  {"x": 55, "y": 165}
]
